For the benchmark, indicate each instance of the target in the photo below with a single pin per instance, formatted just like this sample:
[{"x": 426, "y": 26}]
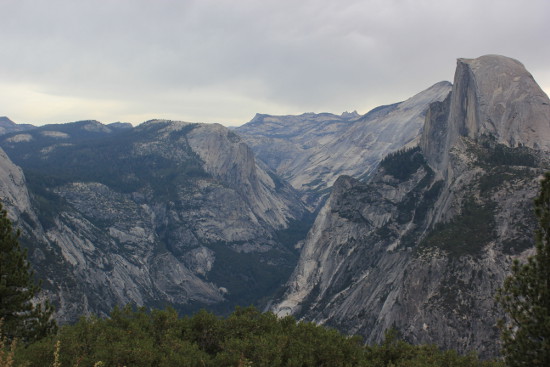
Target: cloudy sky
[{"x": 224, "y": 60}]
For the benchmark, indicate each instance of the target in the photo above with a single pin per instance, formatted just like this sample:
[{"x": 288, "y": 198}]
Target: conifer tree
[
  {"x": 525, "y": 297},
  {"x": 21, "y": 318}
]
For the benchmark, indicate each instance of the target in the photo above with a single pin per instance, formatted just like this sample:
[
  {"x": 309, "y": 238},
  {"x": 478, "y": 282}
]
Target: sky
[{"x": 226, "y": 60}]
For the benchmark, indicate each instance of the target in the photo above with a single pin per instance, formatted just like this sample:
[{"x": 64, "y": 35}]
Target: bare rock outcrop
[{"x": 13, "y": 188}]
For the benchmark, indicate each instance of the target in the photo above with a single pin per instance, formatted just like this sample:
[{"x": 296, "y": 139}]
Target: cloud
[{"x": 221, "y": 60}]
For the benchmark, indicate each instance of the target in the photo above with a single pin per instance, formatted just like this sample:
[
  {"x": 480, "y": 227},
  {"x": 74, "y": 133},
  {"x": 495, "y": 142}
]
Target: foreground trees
[
  {"x": 135, "y": 337},
  {"x": 525, "y": 297},
  {"x": 20, "y": 317}
]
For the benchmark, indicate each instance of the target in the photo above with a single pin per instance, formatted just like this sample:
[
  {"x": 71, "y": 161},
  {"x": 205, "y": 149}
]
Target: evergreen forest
[{"x": 136, "y": 337}]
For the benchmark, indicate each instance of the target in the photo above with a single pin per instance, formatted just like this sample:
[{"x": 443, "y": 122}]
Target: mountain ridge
[
  {"x": 424, "y": 243},
  {"x": 166, "y": 212},
  {"x": 8, "y": 126},
  {"x": 311, "y": 150}
]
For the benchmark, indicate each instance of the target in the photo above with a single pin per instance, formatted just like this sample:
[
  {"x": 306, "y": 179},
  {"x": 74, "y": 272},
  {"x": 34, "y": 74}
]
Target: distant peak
[
  {"x": 350, "y": 115},
  {"x": 443, "y": 83},
  {"x": 86, "y": 122},
  {"x": 120, "y": 125},
  {"x": 7, "y": 126},
  {"x": 4, "y": 120},
  {"x": 258, "y": 117},
  {"x": 156, "y": 121}
]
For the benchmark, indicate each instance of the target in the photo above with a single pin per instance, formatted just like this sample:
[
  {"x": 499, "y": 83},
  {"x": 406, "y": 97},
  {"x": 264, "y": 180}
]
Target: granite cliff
[
  {"x": 164, "y": 213},
  {"x": 423, "y": 244}
]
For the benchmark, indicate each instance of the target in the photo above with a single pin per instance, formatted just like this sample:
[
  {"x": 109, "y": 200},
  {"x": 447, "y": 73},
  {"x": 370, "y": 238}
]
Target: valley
[{"x": 409, "y": 216}]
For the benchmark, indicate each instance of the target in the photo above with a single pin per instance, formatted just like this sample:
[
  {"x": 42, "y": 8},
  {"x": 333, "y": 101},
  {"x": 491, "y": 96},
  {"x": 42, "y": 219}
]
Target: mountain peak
[
  {"x": 4, "y": 120},
  {"x": 508, "y": 103},
  {"x": 8, "y": 126},
  {"x": 493, "y": 96},
  {"x": 350, "y": 115},
  {"x": 493, "y": 59}
]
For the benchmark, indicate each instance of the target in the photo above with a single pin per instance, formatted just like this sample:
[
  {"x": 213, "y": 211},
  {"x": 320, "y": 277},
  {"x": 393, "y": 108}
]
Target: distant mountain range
[
  {"x": 311, "y": 151},
  {"x": 408, "y": 216}
]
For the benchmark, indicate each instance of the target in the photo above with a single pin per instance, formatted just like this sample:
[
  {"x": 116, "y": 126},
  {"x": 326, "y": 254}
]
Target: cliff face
[
  {"x": 312, "y": 150},
  {"x": 13, "y": 190},
  {"x": 164, "y": 213},
  {"x": 425, "y": 242},
  {"x": 493, "y": 96}
]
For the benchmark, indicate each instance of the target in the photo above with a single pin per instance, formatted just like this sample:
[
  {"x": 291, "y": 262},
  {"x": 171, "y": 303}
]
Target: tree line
[{"x": 135, "y": 337}]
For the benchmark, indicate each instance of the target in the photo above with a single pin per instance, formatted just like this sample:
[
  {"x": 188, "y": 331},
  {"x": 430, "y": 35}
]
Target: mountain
[
  {"x": 13, "y": 189},
  {"x": 311, "y": 151},
  {"x": 163, "y": 213},
  {"x": 425, "y": 242},
  {"x": 8, "y": 126}
]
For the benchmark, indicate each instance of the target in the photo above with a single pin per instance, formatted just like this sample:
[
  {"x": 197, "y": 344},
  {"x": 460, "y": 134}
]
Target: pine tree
[
  {"x": 21, "y": 318},
  {"x": 525, "y": 297}
]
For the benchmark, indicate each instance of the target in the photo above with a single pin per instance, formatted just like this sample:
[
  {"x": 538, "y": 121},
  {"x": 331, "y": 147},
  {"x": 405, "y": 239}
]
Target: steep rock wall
[
  {"x": 164, "y": 213},
  {"x": 425, "y": 242}
]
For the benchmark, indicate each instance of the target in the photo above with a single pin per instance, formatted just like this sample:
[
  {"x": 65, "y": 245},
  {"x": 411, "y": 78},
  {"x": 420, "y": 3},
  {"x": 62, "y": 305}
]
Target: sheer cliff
[
  {"x": 164, "y": 213},
  {"x": 425, "y": 242}
]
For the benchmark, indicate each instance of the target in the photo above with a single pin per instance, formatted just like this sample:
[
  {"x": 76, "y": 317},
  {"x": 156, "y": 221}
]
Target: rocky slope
[
  {"x": 310, "y": 151},
  {"x": 164, "y": 213},
  {"x": 423, "y": 245}
]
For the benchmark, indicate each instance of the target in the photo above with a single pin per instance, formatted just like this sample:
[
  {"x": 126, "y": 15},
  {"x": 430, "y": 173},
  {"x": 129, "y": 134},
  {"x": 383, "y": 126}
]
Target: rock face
[
  {"x": 310, "y": 151},
  {"x": 494, "y": 96},
  {"x": 425, "y": 242},
  {"x": 13, "y": 189},
  {"x": 164, "y": 213}
]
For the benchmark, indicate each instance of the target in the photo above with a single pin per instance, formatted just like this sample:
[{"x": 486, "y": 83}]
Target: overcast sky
[{"x": 225, "y": 60}]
